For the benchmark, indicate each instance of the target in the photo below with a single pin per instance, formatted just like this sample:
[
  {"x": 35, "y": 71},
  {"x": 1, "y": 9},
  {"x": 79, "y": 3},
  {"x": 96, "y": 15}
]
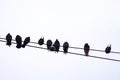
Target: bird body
[
  {"x": 18, "y": 41},
  {"x": 49, "y": 44},
  {"x": 56, "y": 45},
  {"x": 86, "y": 49},
  {"x": 26, "y": 41},
  {"x": 65, "y": 47},
  {"x": 9, "y": 39},
  {"x": 108, "y": 49},
  {"x": 41, "y": 41}
]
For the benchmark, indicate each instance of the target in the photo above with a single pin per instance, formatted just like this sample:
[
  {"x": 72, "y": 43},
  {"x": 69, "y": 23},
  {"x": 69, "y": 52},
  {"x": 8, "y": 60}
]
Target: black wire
[
  {"x": 76, "y": 47},
  {"x": 70, "y": 52}
]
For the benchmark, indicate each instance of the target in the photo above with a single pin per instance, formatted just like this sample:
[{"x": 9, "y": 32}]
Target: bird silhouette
[
  {"x": 9, "y": 39},
  {"x": 41, "y": 41},
  {"x": 86, "y": 49},
  {"x": 26, "y": 41},
  {"x": 65, "y": 47},
  {"x": 56, "y": 45},
  {"x": 108, "y": 49},
  {"x": 18, "y": 41},
  {"x": 49, "y": 44}
]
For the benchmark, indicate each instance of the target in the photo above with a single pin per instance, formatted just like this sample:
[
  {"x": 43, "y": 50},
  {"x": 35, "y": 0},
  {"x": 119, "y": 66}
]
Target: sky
[{"x": 95, "y": 22}]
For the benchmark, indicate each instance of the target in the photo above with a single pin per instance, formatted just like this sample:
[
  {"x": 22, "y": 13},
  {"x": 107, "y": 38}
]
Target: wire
[
  {"x": 71, "y": 52},
  {"x": 75, "y": 47}
]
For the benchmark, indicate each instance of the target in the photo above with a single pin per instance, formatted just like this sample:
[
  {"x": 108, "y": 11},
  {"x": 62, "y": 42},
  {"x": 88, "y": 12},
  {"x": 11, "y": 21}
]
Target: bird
[
  {"x": 8, "y": 39},
  {"x": 65, "y": 47},
  {"x": 41, "y": 41},
  {"x": 49, "y": 44},
  {"x": 18, "y": 41},
  {"x": 108, "y": 49},
  {"x": 56, "y": 45},
  {"x": 86, "y": 49},
  {"x": 26, "y": 41}
]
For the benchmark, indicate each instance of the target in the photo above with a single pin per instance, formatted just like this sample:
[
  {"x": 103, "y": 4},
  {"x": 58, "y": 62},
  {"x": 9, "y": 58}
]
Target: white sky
[{"x": 75, "y": 21}]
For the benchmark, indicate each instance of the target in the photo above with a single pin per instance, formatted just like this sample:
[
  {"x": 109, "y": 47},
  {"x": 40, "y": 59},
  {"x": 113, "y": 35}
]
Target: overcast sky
[{"x": 96, "y": 22}]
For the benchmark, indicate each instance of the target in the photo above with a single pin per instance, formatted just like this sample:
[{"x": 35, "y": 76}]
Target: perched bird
[
  {"x": 41, "y": 41},
  {"x": 26, "y": 41},
  {"x": 18, "y": 41},
  {"x": 108, "y": 49},
  {"x": 56, "y": 45},
  {"x": 49, "y": 44},
  {"x": 86, "y": 49},
  {"x": 9, "y": 39},
  {"x": 52, "y": 48},
  {"x": 65, "y": 47}
]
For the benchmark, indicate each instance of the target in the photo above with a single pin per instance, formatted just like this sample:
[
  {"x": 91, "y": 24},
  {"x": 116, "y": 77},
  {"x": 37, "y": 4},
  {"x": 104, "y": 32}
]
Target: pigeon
[
  {"x": 86, "y": 49},
  {"x": 56, "y": 45},
  {"x": 108, "y": 49},
  {"x": 41, "y": 41},
  {"x": 9, "y": 39},
  {"x": 65, "y": 47},
  {"x": 18, "y": 41},
  {"x": 26, "y": 41},
  {"x": 49, "y": 44}
]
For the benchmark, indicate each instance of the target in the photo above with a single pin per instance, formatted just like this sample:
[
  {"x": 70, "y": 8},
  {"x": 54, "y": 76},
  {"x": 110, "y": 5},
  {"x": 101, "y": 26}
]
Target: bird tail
[
  {"x": 52, "y": 48},
  {"x": 48, "y": 47},
  {"x": 8, "y": 43},
  {"x": 18, "y": 46},
  {"x": 23, "y": 46},
  {"x": 65, "y": 51},
  {"x": 86, "y": 53}
]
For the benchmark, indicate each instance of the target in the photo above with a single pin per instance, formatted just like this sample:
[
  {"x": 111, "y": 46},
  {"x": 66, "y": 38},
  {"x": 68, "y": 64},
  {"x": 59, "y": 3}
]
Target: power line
[
  {"x": 71, "y": 52},
  {"x": 75, "y": 47}
]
